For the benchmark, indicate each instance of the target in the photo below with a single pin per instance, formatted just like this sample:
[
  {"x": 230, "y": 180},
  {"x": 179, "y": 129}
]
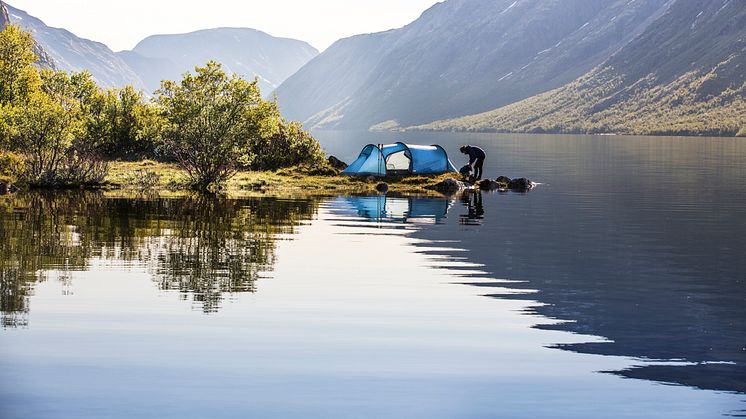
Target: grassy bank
[{"x": 166, "y": 178}]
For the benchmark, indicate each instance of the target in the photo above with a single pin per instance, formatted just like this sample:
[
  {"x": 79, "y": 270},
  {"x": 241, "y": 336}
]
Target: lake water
[{"x": 614, "y": 289}]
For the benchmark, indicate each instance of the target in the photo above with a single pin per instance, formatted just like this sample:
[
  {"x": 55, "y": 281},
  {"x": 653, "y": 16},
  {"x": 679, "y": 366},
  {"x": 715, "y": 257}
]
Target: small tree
[
  {"x": 18, "y": 78},
  {"x": 212, "y": 119},
  {"x": 289, "y": 145}
]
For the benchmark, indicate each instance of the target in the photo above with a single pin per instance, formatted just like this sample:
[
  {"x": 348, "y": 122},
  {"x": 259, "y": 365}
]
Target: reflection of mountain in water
[
  {"x": 200, "y": 246},
  {"x": 653, "y": 299}
]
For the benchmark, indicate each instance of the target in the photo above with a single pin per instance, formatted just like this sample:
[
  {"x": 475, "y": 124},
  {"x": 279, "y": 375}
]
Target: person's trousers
[{"x": 478, "y": 168}]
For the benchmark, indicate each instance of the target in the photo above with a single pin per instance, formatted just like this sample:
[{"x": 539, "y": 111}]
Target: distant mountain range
[
  {"x": 461, "y": 57},
  {"x": 643, "y": 66},
  {"x": 686, "y": 74},
  {"x": 242, "y": 51},
  {"x": 247, "y": 52},
  {"x": 580, "y": 66}
]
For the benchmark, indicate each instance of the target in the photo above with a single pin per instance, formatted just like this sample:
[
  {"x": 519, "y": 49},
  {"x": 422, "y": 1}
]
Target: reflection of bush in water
[{"x": 202, "y": 246}]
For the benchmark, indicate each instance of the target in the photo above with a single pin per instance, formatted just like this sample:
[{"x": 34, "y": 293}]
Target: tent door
[{"x": 398, "y": 163}]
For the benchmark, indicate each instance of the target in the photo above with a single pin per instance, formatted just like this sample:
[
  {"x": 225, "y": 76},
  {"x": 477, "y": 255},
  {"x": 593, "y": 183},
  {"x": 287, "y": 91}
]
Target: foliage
[
  {"x": 45, "y": 132},
  {"x": 65, "y": 125},
  {"x": 288, "y": 146},
  {"x": 126, "y": 125},
  {"x": 12, "y": 165},
  {"x": 18, "y": 78},
  {"x": 212, "y": 120},
  {"x": 604, "y": 102}
]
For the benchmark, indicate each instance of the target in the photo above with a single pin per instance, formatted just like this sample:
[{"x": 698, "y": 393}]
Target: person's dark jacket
[{"x": 475, "y": 153}]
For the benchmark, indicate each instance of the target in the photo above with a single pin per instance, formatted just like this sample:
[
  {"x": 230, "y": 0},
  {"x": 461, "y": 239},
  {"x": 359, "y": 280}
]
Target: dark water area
[
  {"x": 640, "y": 240},
  {"x": 615, "y": 288}
]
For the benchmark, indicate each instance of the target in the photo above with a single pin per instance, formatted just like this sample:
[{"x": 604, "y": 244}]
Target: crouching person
[{"x": 476, "y": 159}]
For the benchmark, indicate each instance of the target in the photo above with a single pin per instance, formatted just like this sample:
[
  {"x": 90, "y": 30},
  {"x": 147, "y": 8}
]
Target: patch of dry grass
[{"x": 148, "y": 176}]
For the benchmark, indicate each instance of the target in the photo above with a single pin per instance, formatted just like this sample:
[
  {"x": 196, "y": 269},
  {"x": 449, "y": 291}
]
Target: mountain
[
  {"x": 461, "y": 57},
  {"x": 685, "y": 75},
  {"x": 248, "y": 52},
  {"x": 45, "y": 61},
  {"x": 71, "y": 53}
]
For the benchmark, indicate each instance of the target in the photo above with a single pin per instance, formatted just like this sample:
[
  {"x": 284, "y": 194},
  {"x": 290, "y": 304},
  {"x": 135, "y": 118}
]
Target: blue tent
[{"x": 400, "y": 158}]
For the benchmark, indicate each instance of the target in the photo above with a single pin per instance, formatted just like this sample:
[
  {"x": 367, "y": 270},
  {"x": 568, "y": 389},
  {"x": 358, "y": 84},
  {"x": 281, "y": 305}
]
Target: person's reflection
[{"x": 473, "y": 202}]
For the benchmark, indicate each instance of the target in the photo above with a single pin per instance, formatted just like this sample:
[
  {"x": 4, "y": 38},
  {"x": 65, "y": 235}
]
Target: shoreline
[{"x": 167, "y": 179}]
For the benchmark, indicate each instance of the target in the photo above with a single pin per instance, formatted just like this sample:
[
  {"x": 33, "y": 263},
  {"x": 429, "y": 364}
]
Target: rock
[
  {"x": 520, "y": 185},
  {"x": 382, "y": 187},
  {"x": 337, "y": 163},
  {"x": 449, "y": 186},
  {"x": 488, "y": 185},
  {"x": 503, "y": 181},
  {"x": 371, "y": 178}
]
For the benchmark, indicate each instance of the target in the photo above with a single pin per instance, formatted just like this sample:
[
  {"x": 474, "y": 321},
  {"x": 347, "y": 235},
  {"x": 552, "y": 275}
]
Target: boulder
[
  {"x": 503, "y": 181},
  {"x": 520, "y": 184},
  {"x": 449, "y": 186},
  {"x": 337, "y": 163},
  {"x": 488, "y": 185},
  {"x": 382, "y": 187}
]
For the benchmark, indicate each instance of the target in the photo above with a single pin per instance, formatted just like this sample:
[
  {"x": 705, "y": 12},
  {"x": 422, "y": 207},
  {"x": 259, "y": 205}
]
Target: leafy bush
[
  {"x": 211, "y": 121},
  {"x": 12, "y": 165},
  {"x": 288, "y": 146}
]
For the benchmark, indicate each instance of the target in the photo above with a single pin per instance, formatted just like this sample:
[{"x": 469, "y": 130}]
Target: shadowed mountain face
[
  {"x": 247, "y": 52},
  {"x": 71, "y": 53},
  {"x": 45, "y": 61},
  {"x": 683, "y": 75},
  {"x": 461, "y": 57}
]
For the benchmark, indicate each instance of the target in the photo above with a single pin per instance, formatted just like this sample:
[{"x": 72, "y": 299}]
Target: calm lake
[{"x": 616, "y": 288}]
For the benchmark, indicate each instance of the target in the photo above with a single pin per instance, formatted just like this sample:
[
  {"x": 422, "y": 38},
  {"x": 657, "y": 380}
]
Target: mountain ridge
[
  {"x": 272, "y": 59},
  {"x": 461, "y": 57},
  {"x": 269, "y": 58},
  {"x": 680, "y": 77},
  {"x": 45, "y": 61}
]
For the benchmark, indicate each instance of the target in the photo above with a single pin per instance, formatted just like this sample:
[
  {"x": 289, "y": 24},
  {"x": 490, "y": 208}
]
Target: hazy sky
[{"x": 121, "y": 24}]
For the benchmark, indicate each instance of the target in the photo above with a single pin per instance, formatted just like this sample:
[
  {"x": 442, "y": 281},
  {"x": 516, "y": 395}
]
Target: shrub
[
  {"x": 211, "y": 121},
  {"x": 288, "y": 146},
  {"x": 12, "y": 165}
]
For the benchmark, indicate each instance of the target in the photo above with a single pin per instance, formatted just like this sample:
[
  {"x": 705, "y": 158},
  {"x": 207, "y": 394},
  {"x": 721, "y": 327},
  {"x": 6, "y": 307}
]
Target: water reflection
[
  {"x": 200, "y": 246},
  {"x": 684, "y": 321},
  {"x": 473, "y": 201},
  {"x": 400, "y": 208}
]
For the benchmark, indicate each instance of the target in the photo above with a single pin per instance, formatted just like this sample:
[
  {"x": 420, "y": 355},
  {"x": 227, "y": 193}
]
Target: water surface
[{"x": 613, "y": 289}]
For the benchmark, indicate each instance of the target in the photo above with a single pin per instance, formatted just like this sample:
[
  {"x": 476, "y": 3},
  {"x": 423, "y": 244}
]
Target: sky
[{"x": 122, "y": 24}]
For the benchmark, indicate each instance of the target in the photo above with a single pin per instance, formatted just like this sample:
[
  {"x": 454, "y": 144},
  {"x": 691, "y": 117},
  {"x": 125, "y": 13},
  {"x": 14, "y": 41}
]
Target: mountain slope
[
  {"x": 247, "y": 52},
  {"x": 685, "y": 75},
  {"x": 45, "y": 61},
  {"x": 461, "y": 57},
  {"x": 72, "y": 53}
]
